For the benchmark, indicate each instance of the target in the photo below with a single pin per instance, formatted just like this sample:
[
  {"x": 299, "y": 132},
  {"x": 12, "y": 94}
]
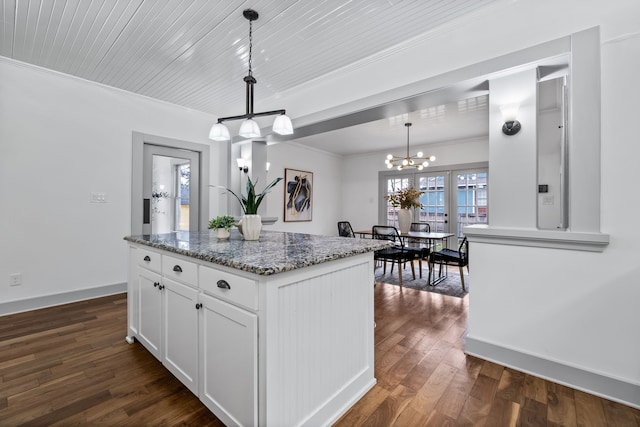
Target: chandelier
[
  {"x": 249, "y": 128},
  {"x": 419, "y": 161}
]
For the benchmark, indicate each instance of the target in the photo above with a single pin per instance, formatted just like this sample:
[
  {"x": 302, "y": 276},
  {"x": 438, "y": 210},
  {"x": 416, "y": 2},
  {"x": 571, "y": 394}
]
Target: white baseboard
[
  {"x": 44, "y": 301},
  {"x": 580, "y": 379}
]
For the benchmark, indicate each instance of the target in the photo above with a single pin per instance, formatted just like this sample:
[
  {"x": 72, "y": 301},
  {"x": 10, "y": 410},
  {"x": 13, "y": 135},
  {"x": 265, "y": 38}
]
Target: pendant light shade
[
  {"x": 249, "y": 129},
  {"x": 219, "y": 132},
  {"x": 282, "y": 125}
]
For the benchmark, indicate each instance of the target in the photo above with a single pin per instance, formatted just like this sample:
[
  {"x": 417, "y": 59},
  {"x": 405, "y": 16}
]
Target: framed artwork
[{"x": 298, "y": 195}]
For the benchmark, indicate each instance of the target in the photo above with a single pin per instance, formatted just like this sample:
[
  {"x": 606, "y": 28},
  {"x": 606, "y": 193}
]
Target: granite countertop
[{"x": 275, "y": 252}]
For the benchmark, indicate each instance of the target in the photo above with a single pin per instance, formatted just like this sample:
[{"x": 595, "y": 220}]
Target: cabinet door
[
  {"x": 229, "y": 362},
  {"x": 180, "y": 354},
  {"x": 149, "y": 311}
]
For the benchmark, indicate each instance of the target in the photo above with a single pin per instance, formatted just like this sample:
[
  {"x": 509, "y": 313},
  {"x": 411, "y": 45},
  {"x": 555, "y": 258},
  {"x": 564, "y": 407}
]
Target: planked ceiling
[{"x": 194, "y": 53}]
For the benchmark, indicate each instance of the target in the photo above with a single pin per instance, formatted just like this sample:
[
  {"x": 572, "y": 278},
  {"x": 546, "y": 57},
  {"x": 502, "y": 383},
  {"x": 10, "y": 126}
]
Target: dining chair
[
  {"x": 345, "y": 230},
  {"x": 396, "y": 254},
  {"x": 450, "y": 257},
  {"x": 422, "y": 244}
]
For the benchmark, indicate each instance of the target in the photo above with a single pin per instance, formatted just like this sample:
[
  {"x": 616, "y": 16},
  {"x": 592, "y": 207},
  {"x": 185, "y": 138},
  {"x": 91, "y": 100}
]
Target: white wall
[
  {"x": 512, "y": 158},
  {"x": 327, "y": 187},
  {"x": 62, "y": 138}
]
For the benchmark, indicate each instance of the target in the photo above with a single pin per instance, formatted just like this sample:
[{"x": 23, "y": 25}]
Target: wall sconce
[
  {"x": 511, "y": 126},
  {"x": 242, "y": 165}
]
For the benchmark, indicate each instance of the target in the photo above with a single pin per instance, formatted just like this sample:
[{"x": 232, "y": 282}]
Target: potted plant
[
  {"x": 405, "y": 199},
  {"x": 222, "y": 225},
  {"x": 251, "y": 223}
]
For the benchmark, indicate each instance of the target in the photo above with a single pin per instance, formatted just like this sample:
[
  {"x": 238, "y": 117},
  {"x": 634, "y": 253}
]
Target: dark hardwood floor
[{"x": 70, "y": 365}]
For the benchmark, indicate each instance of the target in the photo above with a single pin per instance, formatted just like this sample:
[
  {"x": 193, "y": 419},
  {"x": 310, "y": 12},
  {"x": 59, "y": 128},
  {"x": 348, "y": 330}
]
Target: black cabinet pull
[
  {"x": 198, "y": 306},
  {"x": 146, "y": 258},
  {"x": 177, "y": 268},
  {"x": 156, "y": 284},
  {"x": 223, "y": 284},
  {"x": 161, "y": 287}
]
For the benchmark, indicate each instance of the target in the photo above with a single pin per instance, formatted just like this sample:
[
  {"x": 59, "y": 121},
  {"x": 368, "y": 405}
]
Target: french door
[
  {"x": 451, "y": 199},
  {"x": 434, "y": 200}
]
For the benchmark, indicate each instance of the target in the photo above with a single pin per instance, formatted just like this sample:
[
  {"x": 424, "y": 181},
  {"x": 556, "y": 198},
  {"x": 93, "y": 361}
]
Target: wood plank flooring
[{"x": 70, "y": 366}]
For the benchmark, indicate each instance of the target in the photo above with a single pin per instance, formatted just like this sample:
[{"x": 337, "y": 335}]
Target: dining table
[{"x": 430, "y": 236}]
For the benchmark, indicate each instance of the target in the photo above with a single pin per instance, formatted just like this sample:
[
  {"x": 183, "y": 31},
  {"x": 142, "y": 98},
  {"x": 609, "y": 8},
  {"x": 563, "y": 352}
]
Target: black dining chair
[
  {"x": 450, "y": 257},
  {"x": 345, "y": 230},
  {"x": 422, "y": 244},
  {"x": 396, "y": 254}
]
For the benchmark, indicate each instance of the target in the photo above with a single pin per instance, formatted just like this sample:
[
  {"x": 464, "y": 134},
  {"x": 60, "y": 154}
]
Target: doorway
[
  {"x": 171, "y": 188},
  {"x": 169, "y": 180}
]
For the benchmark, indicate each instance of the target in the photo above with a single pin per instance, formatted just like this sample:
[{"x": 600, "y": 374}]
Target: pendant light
[
  {"x": 249, "y": 128},
  {"x": 418, "y": 161}
]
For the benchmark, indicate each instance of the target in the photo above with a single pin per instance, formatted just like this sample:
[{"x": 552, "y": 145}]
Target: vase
[
  {"x": 250, "y": 226},
  {"x": 222, "y": 234},
  {"x": 404, "y": 220}
]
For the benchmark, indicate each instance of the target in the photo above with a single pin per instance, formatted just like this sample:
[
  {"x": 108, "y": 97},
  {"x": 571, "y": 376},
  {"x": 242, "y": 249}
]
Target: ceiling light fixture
[
  {"x": 249, "y": 128},
  {"x": 418, "y": 161}
]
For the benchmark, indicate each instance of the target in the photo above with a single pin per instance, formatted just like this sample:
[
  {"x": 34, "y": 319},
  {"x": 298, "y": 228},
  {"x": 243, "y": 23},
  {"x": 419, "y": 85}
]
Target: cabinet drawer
[
  {"x": 148, "y": 259},
  {"x": 240, "y": 291},
  {"x": 180, "y": 270}
]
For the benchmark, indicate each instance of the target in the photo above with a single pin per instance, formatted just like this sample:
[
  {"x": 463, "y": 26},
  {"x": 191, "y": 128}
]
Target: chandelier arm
[{"x": 248, "y": 116}]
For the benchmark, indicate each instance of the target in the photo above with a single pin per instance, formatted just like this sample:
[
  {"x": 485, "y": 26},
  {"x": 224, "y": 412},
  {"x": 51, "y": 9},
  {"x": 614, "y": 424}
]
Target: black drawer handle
[
  {"x": 198, "y": 306},
  {"x": 156, "y": 284},
  {"x": 177, "y": 268},
  {"x": 161, "y": 287},
  {"x": 146, "y": 258},
  {"x": 223, "y": 284}
]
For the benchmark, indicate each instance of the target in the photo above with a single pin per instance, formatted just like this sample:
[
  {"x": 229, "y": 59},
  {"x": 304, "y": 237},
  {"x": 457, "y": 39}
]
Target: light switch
[{"x": 98, "y": 198}]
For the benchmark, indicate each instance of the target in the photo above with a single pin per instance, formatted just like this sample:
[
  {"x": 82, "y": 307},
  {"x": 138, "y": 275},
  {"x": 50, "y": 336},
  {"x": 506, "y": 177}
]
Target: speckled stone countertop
[{"x": 275, "y": 252}]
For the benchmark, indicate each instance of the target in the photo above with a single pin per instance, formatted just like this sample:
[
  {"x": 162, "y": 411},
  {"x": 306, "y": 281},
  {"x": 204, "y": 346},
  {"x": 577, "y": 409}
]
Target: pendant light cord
[{"x": 250, "y": 45}]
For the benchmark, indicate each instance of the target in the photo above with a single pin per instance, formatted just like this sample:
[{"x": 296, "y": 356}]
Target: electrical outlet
[{"x": 15, "y": 279}]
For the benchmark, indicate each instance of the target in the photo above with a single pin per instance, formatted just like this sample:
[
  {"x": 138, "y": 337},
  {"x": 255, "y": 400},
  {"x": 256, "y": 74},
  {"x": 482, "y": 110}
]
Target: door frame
[{"x": 137, "y": 168}]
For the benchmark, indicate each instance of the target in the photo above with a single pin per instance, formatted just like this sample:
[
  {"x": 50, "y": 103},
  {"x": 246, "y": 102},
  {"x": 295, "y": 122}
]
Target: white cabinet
[
  {"x": 293, "y": 348},
  {"x": 229, "y": 362},
  {"x": 149, "y": 290},
  {"x": 180, "y": 349}
]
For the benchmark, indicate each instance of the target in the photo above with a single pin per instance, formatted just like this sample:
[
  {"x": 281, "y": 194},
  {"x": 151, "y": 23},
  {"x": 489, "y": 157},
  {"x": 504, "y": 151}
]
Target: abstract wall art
[{"x": 298, "y": 192}]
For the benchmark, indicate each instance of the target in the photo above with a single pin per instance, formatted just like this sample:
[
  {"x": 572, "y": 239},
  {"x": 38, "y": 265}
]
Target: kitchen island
[{"x": 274, "y": 332}]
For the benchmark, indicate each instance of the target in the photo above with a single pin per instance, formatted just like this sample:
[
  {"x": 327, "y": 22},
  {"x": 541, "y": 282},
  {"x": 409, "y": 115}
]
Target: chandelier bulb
[
  {"x": 419, "y": 154},
  {"x": 389, "y": 156}
]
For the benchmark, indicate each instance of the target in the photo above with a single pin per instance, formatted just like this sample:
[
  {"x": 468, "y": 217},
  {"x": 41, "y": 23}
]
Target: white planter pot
[
  {"x": 405, "y": 216},
  {"x": 250, "y": 227},
  {"x": 222, "y": 234}
]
